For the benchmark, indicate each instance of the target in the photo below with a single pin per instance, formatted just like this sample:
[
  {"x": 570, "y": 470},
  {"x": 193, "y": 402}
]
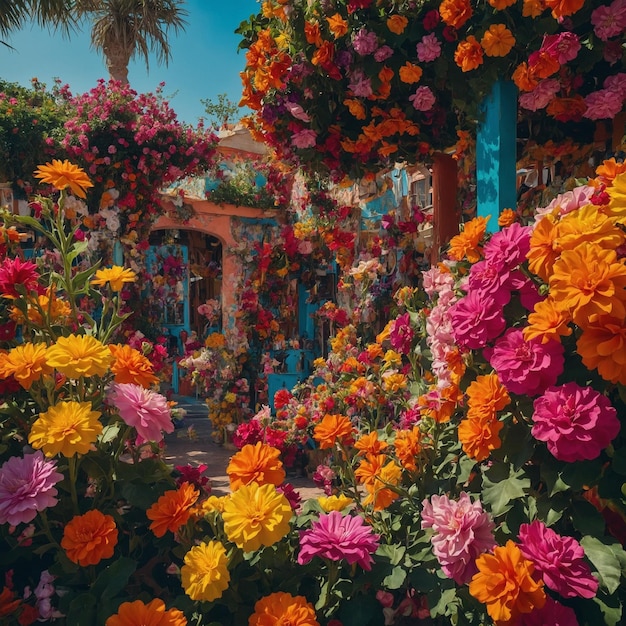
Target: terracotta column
[{"x": 446, "y": 214}]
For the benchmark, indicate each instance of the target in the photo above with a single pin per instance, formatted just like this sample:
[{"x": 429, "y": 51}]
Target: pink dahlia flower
[
  {"x": 488, "y": 278},
  {"x": 462, "y": 531},
  {"x": 509, "y": 246},
  {"x": 145, "y": 410},
  {"x": 553, "y": 613},
  {"x": 526, "y": 367},
  {"x": 14, "y": 272},
  {"x": 476, "y": 319},
  {"x": 27, "y": 486},
  {"x": 576, "y": 422},
  {"x": 559, "y": 560},
  {"x": 337, "y": 537}
]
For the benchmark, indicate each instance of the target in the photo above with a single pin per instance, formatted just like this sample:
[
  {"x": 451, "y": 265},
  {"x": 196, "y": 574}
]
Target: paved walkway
[{"x": 193, "y": 444}]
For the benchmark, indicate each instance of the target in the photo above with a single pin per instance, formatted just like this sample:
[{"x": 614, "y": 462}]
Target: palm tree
[
  {"x": 15, "y": 13},
  {"x": 123, "y": 29}
]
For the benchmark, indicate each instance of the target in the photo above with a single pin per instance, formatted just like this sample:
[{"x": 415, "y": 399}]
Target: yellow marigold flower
[
  {"x": 505, "y": 583},
  {"x": 256, "y": 515},
  {"x": 26, "y": 363},
  {"x": 334, "y": 503},
  {"x": 394, "y": 382},
  {"x": 397, "y": 23},
  {"x": 408, "y": 447},
  {"x": 392, "y": 358},
  {"x": 333, "y": 429},
  {"x": 213, "y": 503},
  {"x": 259, "y": 463},
  {"x": 205, "y": 574},
  {"x": 153, "y": 613},
  {"x": 602, "y": 346},
  {"x": 130, "y": 366},
  {"x": 466, "y": 245},
  {"x": 48, "y": 306},
  {"x": 548, "y": 322},
  {"x": 589, "y": 224},
  {"x": 589, "y": 281},
  {"x": 79, "y": 355},
  {"x": 63, "y": 174},
  {"x": 281, "y": 608},
  {"x": 380, "y": 495},
  {"x": 487, "y": 394},
  {"x": 497, "y": 41},
  {"x": 617, "y": 192},
  {"x": 507, "y": 217},
  {"x": 67, "y": 428},
  {"x": 116, "y": 276},
  {"x": 370, "y": 444},
  {"x": 172, "y": 509},
  {"x": 338, "y": 25},
  {"x": 215, "y": 340}
]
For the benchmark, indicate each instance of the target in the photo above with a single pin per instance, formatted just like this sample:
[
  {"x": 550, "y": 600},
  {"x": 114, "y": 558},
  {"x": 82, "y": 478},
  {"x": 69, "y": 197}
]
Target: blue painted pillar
[{"x": 496, "y": 153}]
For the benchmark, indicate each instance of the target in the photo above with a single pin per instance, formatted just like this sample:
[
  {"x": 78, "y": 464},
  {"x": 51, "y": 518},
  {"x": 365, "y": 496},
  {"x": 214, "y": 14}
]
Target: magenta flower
[
  {"x": 14, "y": 272},
  {"x": 559, "y": 560},
  {"x": 462, "y": 531},
  {"x": 577, "y": 423},
  {"x": 526, "y": 367},
  {"x": 603, "y": 104},
  {"x": 27, "y": 486},
  {"x": 365, "y": 42},
  {"x": 145, "y": 410},
  {"x": 509, "y": 246},
  {"x": 489, "y": 278},
  {"x": 339, "y": 537},
  {"x": 429, "y": 48},
  {"x": 541, "y": 95},
  {"x": 553, "y": 613},
  {"x": 423, "y": 99},
  {"x": 304, "y": 139},
  {"x": 401, "y": 334},
  {"x": 476, "y": 319},
  {"x": 563, "y": 47},
  {"x": 609, "y": 21}
]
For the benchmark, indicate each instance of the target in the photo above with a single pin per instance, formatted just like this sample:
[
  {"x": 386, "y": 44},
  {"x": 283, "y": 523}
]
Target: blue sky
[{"x": 205, "y": 61}]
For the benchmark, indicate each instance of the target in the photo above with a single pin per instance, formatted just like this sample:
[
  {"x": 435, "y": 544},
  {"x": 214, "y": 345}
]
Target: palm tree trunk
[{"x": 117, "y": 59}]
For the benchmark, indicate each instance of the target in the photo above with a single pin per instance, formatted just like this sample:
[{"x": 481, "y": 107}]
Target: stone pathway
[{"x": 193, "y": 444}]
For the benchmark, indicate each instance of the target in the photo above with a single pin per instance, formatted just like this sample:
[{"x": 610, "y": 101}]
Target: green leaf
[
  {"x": 587, "y": 519},
  {"x": 619, "y": 462},
  {"x": 442, "y": 605},
  {"x": 499, "y": 490},
  {"x": 114, "y": 578},
  {"x": 396, "y": 579},
  {"x": 82, "y": 611},
  {"x": 605, "y": 559},
  {"x": 362, "y": 610},
  {"x": 612, "y": 612}
]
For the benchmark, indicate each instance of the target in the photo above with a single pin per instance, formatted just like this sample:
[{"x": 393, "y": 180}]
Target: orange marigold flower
[
  {"x": 563, "y": 8},
  {"x": 172, "y": 509},
  {"x": 26, "y": 363},
  {"x": 466, "y": 245},
  {"x": 283, "y": 608},
  {"x": 566, "y": 109},
  {"x": 356, "y": 108},
  {"x": 455, "y": 12},
  {"x": 479, "y": 435},
  {"x": 369, "y": 468},
  {"x": 130, "y": 366},
  {"x": 609, "y": 169},
  {"x": 548, "y": 321},
  {"x": 589, "y": 280},
  {"x": 8, "y": 602},
  {"x": 497, "y": 41},
  {"x": 312, "y": 33},
  {"x": 332, "y": 430},
  {"x": 410, "y": 73},
  {"x": 89, "y": 538},
  {"x": 507, "y": 217},
  {"x": 397, "y": 23},
  {"x": 544, "y": 65},
  {"x": 487, "y": 394},
  {"x": 544, "y": 248},
  {"x": 370, "y": 444},
  {"x": 374, "y": 350},
  {"x": 533, "y": 8},
  {"x": 602, "y": 346},
  {"x": 506, "y": 585},
  {"x": 63, "y": 174},
  {"x": 523, "y": 78},
  {"x": 151, "y": 614},
  {"x": 338, "y": 25},
  {"x": 258, "y": 463},
  {"x": 468, "y": 54},
  {"x": 408, "y": 447},
  {"x": 394, "y": 382}
]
